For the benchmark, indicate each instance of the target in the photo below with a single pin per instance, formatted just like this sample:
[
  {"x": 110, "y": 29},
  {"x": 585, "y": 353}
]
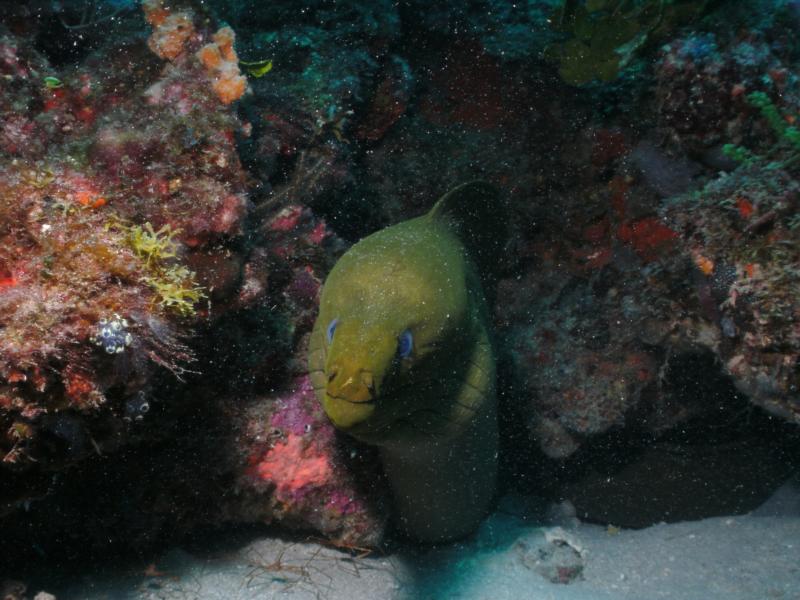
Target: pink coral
[
  {"x": 294, "y": 470},
  {"x": 298, "y": 462},
  {"x": 294, "y": 465}
]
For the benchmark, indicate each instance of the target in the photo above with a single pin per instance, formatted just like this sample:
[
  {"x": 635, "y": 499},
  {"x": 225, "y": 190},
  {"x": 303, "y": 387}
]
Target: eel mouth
[
  {"x": 350, "y": 400},
  {"x": 346, "y": 413}
]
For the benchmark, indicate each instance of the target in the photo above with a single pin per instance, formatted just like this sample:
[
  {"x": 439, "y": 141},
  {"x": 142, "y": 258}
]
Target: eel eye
[
  {"x": 404, "y": 344},
  {"x": 331, "y": 329}
]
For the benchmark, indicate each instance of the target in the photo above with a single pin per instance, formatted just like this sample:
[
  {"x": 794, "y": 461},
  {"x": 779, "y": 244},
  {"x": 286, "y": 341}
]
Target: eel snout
[
  {"x": 349, "y": 396},
  {"x": 358, "y": 386}
]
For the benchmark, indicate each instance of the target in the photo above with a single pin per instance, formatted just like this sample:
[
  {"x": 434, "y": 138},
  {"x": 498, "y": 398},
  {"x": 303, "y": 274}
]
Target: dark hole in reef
[
  {"x": 63, "y": 46},
  {"x": 249, "y": 349},
  {"x": 728, "y": 457},
  {"x": 123, "y": 504},
  {"x": 67, "y": 32},
  {"x": 351, "y": 215}
]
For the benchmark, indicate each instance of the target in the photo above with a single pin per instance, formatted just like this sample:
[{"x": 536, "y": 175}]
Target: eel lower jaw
[{"x": 346, "y": 414}]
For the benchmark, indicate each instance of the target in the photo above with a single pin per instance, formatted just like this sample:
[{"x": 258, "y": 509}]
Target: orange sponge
[
  {"x": 171, "y": 31},
  {"x": 210, "y": 56},
  {"x": 154, "y": 12},
  {"x": 220, "y": 60},
  {"x": 224, "y": 40},
  {"x": 229, "y": 89}
]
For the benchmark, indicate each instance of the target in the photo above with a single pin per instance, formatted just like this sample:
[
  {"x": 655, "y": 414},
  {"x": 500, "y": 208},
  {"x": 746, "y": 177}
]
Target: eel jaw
[{"x": 345, "y": 413}]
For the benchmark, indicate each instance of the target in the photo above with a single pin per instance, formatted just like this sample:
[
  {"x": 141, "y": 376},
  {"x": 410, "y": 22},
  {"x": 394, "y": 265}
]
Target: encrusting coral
[{"x": 297, "y": 470}]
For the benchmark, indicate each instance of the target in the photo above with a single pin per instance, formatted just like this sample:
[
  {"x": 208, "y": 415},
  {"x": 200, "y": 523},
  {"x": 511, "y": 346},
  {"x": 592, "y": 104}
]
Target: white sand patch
[{"x": 748, "y": 557}]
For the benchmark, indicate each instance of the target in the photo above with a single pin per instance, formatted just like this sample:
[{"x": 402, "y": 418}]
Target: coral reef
[
  {"x": 703, "y": 81},
  {"x": 748, "y": 289},
  {"x": 124, "y": 211},
  {"x": 168, "y": 213},
  {"x": 81, "y": 254}
]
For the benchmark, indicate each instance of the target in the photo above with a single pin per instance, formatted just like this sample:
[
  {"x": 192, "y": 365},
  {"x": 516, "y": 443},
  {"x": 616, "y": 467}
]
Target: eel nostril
[
  {"x": 332, "y": 375},
  {"x": 368, "y": 381}
]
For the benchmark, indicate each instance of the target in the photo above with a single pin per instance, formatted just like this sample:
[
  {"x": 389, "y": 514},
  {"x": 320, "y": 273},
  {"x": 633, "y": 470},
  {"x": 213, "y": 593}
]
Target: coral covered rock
[
  {"x": 98, "y": 216},
  {"x": 297, "y": 472},
  {"x": 744, "y": 236}
]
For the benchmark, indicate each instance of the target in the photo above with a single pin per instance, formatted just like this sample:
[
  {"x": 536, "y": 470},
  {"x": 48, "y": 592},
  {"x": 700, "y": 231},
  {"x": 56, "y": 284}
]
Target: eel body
[{"x": 400, "y": 357}]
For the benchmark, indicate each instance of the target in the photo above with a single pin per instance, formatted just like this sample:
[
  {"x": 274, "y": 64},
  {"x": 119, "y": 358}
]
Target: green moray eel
[{"x": 400, "y": 357}]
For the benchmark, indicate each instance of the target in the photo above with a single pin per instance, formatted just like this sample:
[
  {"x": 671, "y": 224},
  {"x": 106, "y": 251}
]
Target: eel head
[{"x": 395, "y": 311}]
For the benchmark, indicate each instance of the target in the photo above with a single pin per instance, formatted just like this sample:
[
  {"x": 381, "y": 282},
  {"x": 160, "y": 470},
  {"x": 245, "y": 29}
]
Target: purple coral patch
[{"x": 298, "y": 413}]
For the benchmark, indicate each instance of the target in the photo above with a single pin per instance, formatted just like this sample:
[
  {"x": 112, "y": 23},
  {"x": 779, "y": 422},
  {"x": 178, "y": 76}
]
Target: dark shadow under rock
[
  {"x": 728, "y": 458},
  {"x": 668, "y": 482}
]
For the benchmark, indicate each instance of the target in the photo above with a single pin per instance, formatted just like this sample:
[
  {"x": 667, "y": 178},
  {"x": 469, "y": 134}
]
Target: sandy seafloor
[{"x": 745, "y": 557}]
